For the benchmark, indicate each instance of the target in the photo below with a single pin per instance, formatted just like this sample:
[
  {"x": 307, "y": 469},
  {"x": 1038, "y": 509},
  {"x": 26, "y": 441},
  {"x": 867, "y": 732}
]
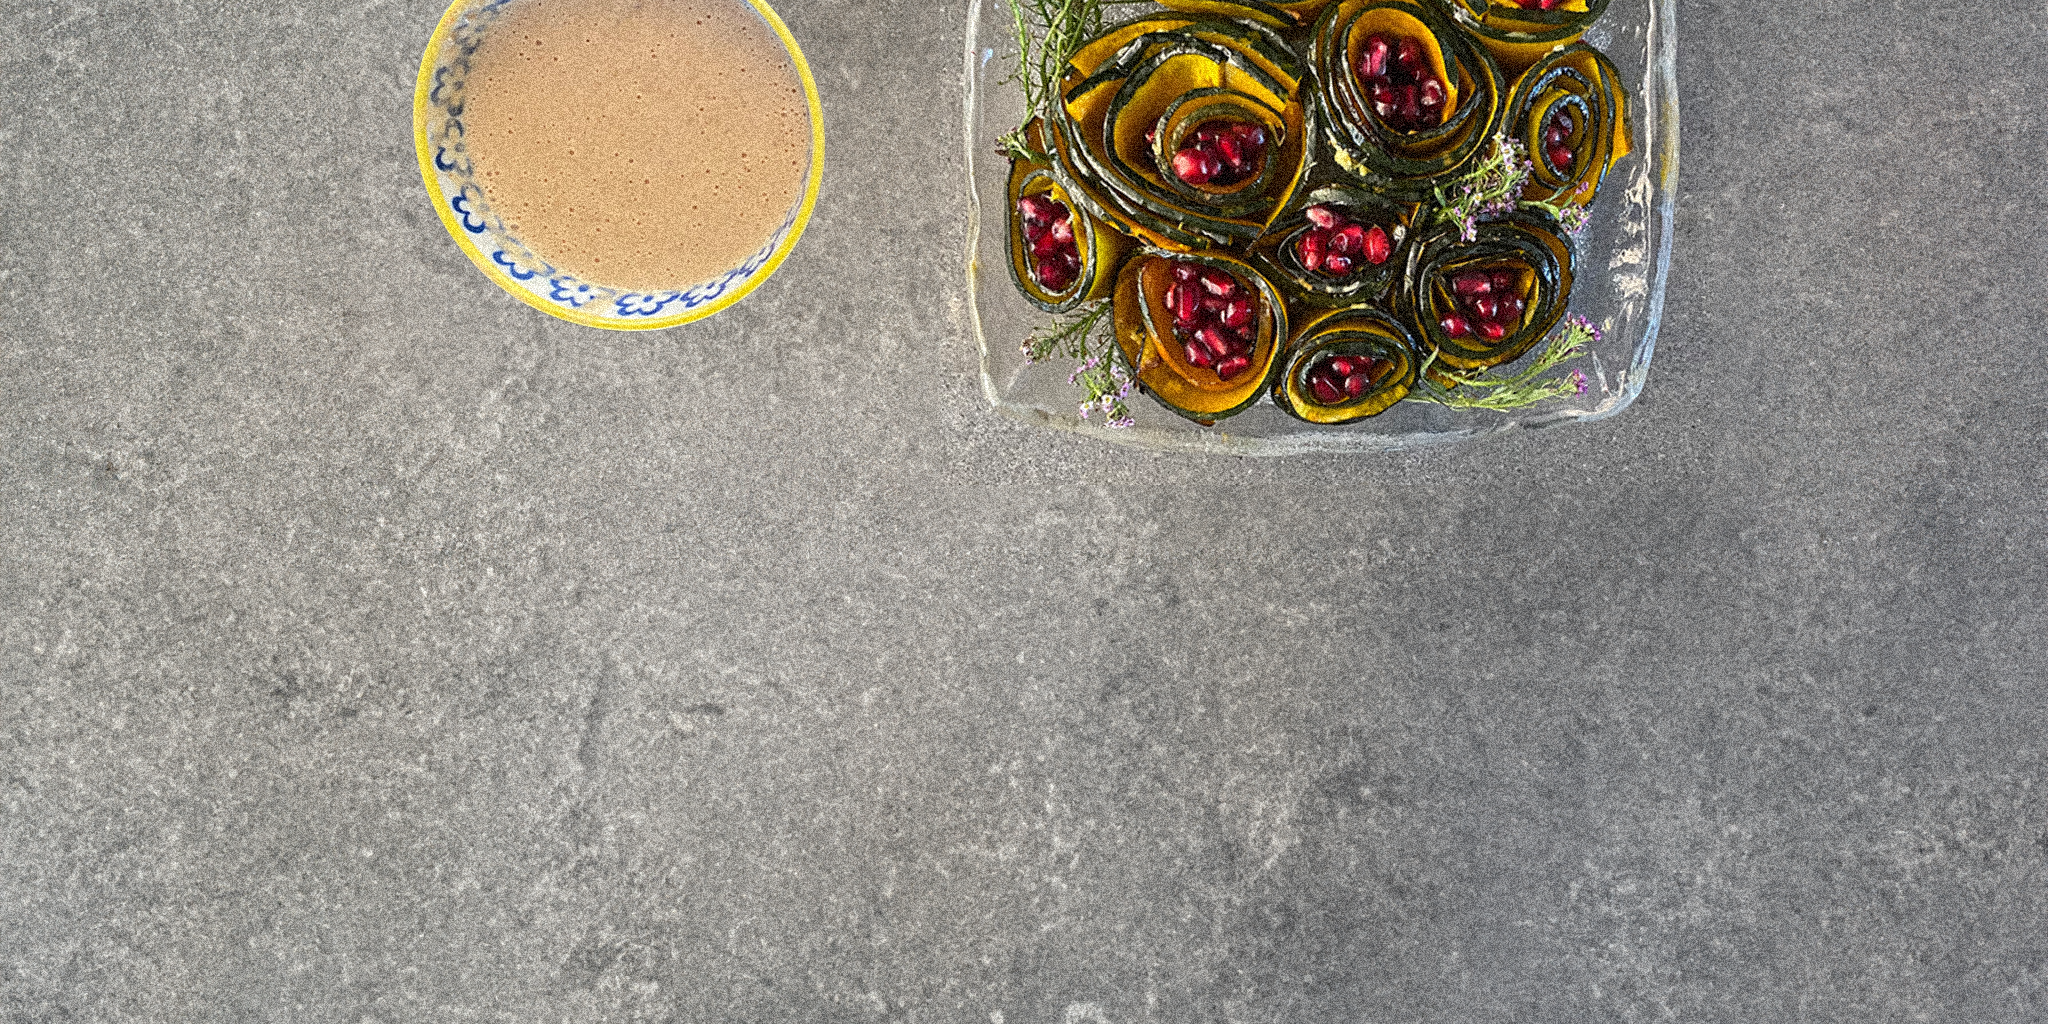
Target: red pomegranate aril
[
  {"x": 1213, "y": 339},
  {"x": 1326, "y": 390},
  {"x": 1054, "y": 277},
  {"x": 1492, "y": 330},
  {"x": 1356, "y": 384},
  {"x": 1471, "y": 283},
  {"x": 1232, "y": 154},
  {"x": 1232, "y": 366},
  {"x": 1195, "y": 166},
  {"x": 1310, "y": 249},
  {"x": 1321, "y": 216},
  {"x": 1430, "y": 94},
  {"x": 1216, "y": 282},
  {"x": 1340, "y": 367},
  {"x": 1411, "y": 103},
  {"x": 1197, "y": 355},
  {"x": 1560, "y": 157},
  {"x": 1047, "y": 245},
  {"x": 1185, "y": 272},
  {"x": 1376, "y": 245},
  {"x": 1372, "y": 62},
  {"x": 1505, "y": 281},
  {"x": 1037, "y": 211},
  {"x": 1455, "y": 326},
  {"x": 1237, "y": 315},
  {"x": 1511, "y": 309},
  {"x": 1408, "y": 54},
  {"x": 1062, "y": 229},
  {"x": 1336, "y": 266},
  {"x": 1348, "y": 240},
  {"x": 1187, "y": 308},
  {"x": 1249, "y": 135},
  {"x": 1486, "y": 307},
  {"x": 1381, "y": 93}
]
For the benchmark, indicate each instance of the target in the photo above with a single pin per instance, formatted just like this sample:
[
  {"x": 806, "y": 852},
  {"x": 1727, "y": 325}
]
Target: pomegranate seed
[
  {"x": 1216, "y": 282},
  {"x": 1373, "y": 62},
  {"x": 1411, "y": 106},
  {"x": 1336, "y": 266},
  {"x": 1062, "y": 229},
  {"x": 1431, "y": 94},
  {"x": 1232, "y": 366},
  {"x": 1560, "y": 157},
  {"x": 1455, "y": 326},
  {"x": 1492, "y": 330},
  {"x": 1310, "y": 249},
  {"x": 1196, "y": 354},
  {"x": 1341, "y": 367},
  {"x": 1321, "y": 216},
  {"x": 1047, "y": 245},
  {"x": 1053, "y": 276},
  {"x": 1037, "y": 211},
  {"x": 1187, "y": 308},
  {"x": 1325, "y": 391},
  {"x": 1348, "y": 240},
  {"x": 1408, "y": 54},
  {"x": 1213, "y": 340},
  {"x": 1511, "y": 308},
  {"x": 1237, "y": 314},
  {"x": 1192, "y": 166},
  {"x": 1486, "y": 307},
  {"x": 1377, "y": 246},
  {"x": 1185, "y": 272},
  {"x": 1152, "y": 136},
  {"x": 1355, "y": 384},
  {"x": 1381, "y": 93},
  {"x": 1232, "y": 153},
  {"x": 1249, "y": 134},
  {"x": 1471, "y": 283},
  {"x": 1505, "y": 281}
]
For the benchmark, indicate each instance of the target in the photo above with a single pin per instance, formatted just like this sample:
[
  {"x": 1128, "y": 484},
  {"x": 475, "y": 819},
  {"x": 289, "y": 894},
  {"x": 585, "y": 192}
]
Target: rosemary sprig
[
  {"x": 1484, "y": 389},
  {"x": 1103, "y": 374}
]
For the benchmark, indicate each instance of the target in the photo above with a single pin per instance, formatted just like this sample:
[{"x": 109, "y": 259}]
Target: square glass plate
[{"x": 1623, "y": 260}]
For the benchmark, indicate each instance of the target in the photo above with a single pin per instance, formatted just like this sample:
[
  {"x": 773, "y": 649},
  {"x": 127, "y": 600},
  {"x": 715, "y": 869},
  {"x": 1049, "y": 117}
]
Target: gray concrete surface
[{"x": 373, "y": 648}]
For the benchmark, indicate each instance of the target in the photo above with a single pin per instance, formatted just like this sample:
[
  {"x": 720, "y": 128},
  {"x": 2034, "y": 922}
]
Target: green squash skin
[
  {"x": 1119, "y": 191},
  {"x": 1271, "y": 306},
  {"x": 1341, "y": 332},
  {"x": 1598, "y": 104},
  {"x": 1526, "y": 237},
  {"x": 1274, "y": 252},
  {"x": 1096, "y": 273},
  {"x": 1272, "y": 15},
  {"x": 1562, "y": 24},
  {"x": 1372, "y": 155}
]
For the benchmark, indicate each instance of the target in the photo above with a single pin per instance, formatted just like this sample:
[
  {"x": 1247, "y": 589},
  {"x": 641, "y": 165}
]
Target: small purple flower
[{"x": 1578, "y": 382}]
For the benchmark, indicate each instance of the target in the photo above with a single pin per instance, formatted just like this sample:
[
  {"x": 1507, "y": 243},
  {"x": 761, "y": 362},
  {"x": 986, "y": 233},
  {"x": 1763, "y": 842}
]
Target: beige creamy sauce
[{"x": 638, "y": 144}]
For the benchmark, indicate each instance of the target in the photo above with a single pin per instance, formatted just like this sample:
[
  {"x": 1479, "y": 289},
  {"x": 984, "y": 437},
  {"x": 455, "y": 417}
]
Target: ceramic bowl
[{"x": 445, "y": 165}]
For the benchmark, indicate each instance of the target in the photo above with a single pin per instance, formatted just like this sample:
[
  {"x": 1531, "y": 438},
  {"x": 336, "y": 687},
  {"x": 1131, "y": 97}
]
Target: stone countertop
[{"x": 375, "y": 648}]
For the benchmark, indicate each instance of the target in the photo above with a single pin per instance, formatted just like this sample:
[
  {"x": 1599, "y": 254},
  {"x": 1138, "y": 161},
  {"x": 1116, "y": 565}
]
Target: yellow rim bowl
[{"x": 444, "y": 165}]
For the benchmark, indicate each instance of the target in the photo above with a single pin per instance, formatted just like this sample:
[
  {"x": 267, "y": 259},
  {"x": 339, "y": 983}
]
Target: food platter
[{"x": 1616, "y": 263}]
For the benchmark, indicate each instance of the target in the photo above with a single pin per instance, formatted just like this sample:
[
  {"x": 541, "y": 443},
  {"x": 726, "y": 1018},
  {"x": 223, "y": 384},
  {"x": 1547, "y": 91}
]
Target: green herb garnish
[
  {"x": 1103, "y": 374},
  {"x": 1484, "y": 389}
]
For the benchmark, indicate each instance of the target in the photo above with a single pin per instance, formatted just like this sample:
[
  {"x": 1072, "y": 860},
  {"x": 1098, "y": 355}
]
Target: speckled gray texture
[{"x": 374, "y": 648}]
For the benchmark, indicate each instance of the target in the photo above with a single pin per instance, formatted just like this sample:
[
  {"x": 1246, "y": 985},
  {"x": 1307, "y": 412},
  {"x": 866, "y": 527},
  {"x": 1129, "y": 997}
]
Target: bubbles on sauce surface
[{"x": 679, "y": 155}]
